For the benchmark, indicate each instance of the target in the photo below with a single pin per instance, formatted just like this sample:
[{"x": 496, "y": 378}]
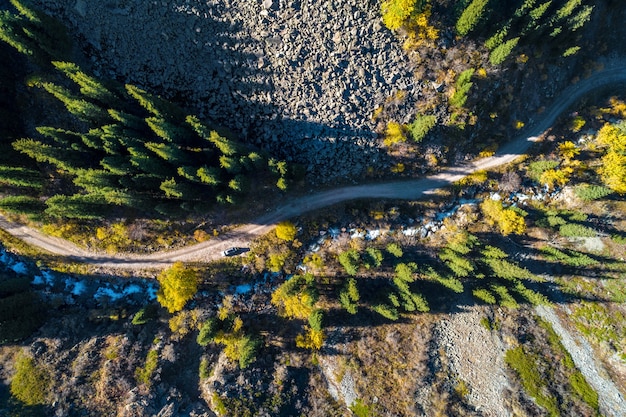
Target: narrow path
[
  {"x": 406, "y": 190},
  {"x": 612, "y": 403}
]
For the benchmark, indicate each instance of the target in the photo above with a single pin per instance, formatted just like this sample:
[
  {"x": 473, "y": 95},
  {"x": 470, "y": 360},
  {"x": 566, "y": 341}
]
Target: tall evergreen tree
[
  {"x": 21, "y": 177},
  {"x": 90, "y": 87}
]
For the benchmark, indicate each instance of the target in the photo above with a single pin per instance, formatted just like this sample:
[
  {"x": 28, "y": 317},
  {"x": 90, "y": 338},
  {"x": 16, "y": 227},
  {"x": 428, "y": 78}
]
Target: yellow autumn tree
[
  {"x": 508, "y": 220},
  {"x": 613, "y": 171},
  {"x": 612, "y": 137},
  {"x": 178, "y": 284},
  {"x": 394, "y": 133},
  {"x": 286, "y": 231},
  {"x": 558, "y": 177},
  {"x": 420, "y": 31},
  {"x": 568, "y": 150},
  {"x": 613, "y": 168},
  {"x": 296, "y": 297},
  {"x": 311, "y": 339},
  {"x": 396, "y": 12}
]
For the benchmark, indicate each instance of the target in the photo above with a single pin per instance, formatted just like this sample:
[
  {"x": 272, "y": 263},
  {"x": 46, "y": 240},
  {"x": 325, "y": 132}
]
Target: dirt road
[{"x": 407, "y": 190}]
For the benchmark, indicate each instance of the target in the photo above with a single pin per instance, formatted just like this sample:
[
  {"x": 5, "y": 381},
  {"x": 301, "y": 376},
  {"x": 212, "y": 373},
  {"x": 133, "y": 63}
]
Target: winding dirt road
[{"x": 407, "y": 190}]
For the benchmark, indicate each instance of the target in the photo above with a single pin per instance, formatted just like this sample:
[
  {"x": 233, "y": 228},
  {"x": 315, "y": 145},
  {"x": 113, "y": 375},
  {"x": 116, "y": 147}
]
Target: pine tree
[
  {"x": 90, "y": 87},
  {"x": 128, "y": 120},
  {"x": 78, "y": 206},
  {"x": 166, "y": 130},
  {"x": 22, "y": 204},
  {"x": 83, "y": 109},
  {"x": 155, "y": 105},
  {"x": 67, "y": 160},
  {"x": 471, "y": 16},
  {"x": 209, "y": 175},
  {"x": 171, "y": 153},
  {"x": 21, "y": 177}
]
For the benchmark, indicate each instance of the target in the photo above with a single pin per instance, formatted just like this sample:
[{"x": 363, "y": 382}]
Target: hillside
[{"x": 147, "y": 126}]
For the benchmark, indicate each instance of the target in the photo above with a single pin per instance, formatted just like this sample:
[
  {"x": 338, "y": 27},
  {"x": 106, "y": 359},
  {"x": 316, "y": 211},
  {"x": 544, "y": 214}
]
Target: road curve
[{"x": 406, "y": 190}]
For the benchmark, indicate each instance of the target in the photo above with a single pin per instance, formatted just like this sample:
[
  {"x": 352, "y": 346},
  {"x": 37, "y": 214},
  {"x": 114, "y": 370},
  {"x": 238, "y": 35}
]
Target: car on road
[{"x": 234, "y": 251}]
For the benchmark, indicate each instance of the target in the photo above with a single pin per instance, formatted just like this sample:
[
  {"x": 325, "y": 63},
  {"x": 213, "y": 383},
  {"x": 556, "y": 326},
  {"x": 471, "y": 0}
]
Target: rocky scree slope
[{"x": 298, "y": 77}]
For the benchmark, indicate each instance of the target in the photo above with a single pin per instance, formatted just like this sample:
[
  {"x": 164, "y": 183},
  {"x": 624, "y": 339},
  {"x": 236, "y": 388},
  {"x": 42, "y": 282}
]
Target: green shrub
[
  {"x": 350, "y": 261},
  {"x": 420, "y": 127},
  {"x": 525, "y": 367},
  {"x": 592, "y": 192},
  {"x": 204, "y": 370},
  {"x": 31, "y": 383},
  {"x": 501, "y": 52},
  {"x": 471, "y": 16},
  {"x": 359, "y": 409},
  {"x": 316, "y": 320},
  {"x": 394, "y": 249},
  {"x": 207, "y": 332},
  {"x": 144, "y": 374},
  {"x": 576, "y": 230},
  {"x": 537, "y": 168},
  {"x": 583, "y": 390},
  {"x": 484, "y": 295},
  {"x": 386, "y": 311}
]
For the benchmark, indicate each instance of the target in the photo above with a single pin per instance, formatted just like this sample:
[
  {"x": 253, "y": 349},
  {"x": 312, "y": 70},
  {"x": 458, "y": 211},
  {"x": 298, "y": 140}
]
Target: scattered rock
[{"x": 321, "y": 67}]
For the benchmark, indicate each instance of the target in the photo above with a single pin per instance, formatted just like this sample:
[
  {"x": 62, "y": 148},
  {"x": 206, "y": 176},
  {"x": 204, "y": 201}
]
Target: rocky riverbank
[{"x": 298, "y": 77}]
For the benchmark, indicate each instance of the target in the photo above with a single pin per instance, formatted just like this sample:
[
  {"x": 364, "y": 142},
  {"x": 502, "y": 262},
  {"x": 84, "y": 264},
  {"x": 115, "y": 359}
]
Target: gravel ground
[
  {"x": 611, "y": 400},
  {"x": 476, "y": 356},
  {"x": 299, "y": 77}
]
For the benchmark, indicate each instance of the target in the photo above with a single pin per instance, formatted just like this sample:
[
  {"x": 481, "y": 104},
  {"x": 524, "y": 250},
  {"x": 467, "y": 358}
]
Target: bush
[
  {"x": 286, "y": 231},
  {"x": 207, "y": 332},
  {"x": 420, "y": 127},
  {"x": 395, "y": 250},
  {"x": 525, "y": 366},
  {"x": 144, "y": 374},
  {"x": 350, "y": 261},
  {"x": 592, "y": 192},
  {"x": 386, "y": 311},
  {"x": 470, "y": 16},
  {"x": 576, "y": 230},
  {"x": 484, "y": 295},
  {"x": 178, "y": 285},
  {"x": 501, "y": 52},
  {"x": 31, "y": 383}
]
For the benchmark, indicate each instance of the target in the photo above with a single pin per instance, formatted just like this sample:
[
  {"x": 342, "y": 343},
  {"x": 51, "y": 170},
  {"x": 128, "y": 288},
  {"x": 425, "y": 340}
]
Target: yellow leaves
[
  {"x": 577, "y": 124},
  {"x": 474, "y": 178},
  {"x": 396, "y": 12},
  {"x": 507, "y": 219},
  {"x": 311, "y": 339},
  {"x": 568, "y": 150},
  {"x": 178, "y": 285},
  {"x": 558, "y": 177},
  {"x": 398, "y": 168},
  {"x": 611, "y": 136},
  {"x": 613, "y": 171},
  {"x": 394, "y": 133},
  {"x": 286, "y": 230},
  {"x": 420, "y": 31},
  {"x": 613, "y": 168}
]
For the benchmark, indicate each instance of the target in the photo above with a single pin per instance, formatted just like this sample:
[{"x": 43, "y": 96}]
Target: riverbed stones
[{"x": 318, "y": 67}]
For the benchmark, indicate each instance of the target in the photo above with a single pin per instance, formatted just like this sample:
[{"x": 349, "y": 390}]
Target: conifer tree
[
  {"x": 90, "y": 87},
  {"x": 65, "y": 159},
  {"x": 155, "y": 105},
  {"x": 22, "y": 204},
  {"x": 21, "y": 177},
  {"x": 78, "y": 206},
  {"x": 83, "y": 109},
  {"x": 209, "y": 175}
]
